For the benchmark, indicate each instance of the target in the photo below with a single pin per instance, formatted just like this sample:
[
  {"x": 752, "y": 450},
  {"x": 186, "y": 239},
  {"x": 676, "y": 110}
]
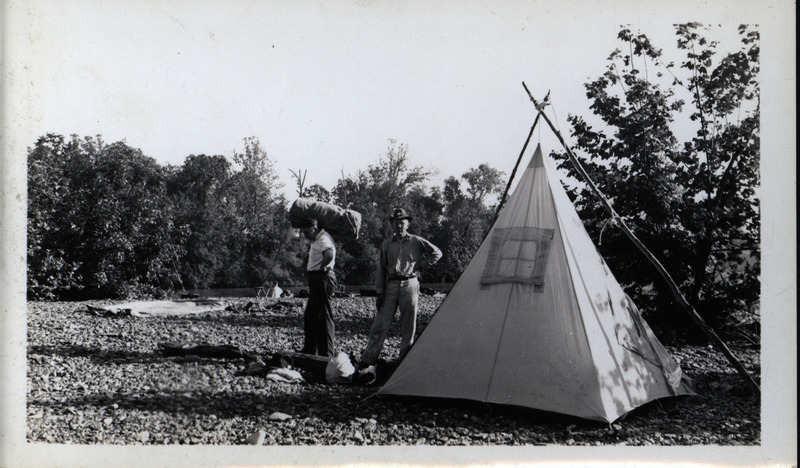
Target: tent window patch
[{"x": 518, "y": 255}]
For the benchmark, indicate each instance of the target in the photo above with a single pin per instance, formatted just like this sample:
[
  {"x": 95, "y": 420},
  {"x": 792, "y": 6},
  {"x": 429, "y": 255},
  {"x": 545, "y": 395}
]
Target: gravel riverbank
[{"x": 96, "y": 379}]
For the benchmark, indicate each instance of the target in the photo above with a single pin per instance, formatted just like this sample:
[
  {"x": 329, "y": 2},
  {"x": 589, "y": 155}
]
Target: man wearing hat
[{"x": 401, "y": 256}]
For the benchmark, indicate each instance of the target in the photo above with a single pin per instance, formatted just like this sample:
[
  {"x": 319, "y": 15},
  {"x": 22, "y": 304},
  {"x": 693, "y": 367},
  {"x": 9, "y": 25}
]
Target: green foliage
[
  {"x": 107, "y": 221},
  {"x": 466, "y": 219},
  {"x": 373, "y": 193},
  {"x": 237, "y": 229},
  {"x": 454, "y": 221},
  {"x": 103, "y": 228},
  {"x": 319, "y": 193},
  {"x": 256, "y": 220},
  {"x": 50, "y": 270},
  {"x": 691, "y": 201},
  {"x": 197, "y": 190},
  {"x": 483, "y": 181}
]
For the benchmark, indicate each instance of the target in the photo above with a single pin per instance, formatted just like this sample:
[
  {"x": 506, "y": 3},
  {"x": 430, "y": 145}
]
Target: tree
[
  {"x": 483, "y": 181},
  {"x": 104, "y": 228},
  {"x": 428, "y": 206},
  {"x": 318, "y": 193},
  {"x": 49, "y": 268},
  {"x": 455, "y": 234},
  {"x": 466, "y": 218},
  {"x": 356, "y": 259},
  {"x": 234, "y": 224},
  {"x": 256, "y": 217},
  {"x": 692, "y": 202},
  {"x": 373, "y": 193},
  {"x": 197, "y": 193},
  {"x": 392, "y": 178}
]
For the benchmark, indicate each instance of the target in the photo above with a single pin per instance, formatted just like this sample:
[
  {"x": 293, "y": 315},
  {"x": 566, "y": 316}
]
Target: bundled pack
[
  {"x": 334, "y": 219},
  {"x": 339, "y": 369}
]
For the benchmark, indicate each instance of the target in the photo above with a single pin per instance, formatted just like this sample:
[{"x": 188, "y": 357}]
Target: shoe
[
  {"x": 359, "y": 364},
  {"x": 366, "y": 376}
]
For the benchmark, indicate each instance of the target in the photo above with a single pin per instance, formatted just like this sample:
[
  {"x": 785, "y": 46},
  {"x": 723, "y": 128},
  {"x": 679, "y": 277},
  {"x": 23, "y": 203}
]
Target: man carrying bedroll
[
  {"x": 318, "y": 318},
  {"x": 397, "y": 285}
]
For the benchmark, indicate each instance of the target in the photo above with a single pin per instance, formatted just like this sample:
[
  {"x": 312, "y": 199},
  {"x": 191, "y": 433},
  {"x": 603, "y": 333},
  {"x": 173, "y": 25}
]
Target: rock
[
  {"x": 256, "y": 438},
  {"x": 278, "y": 416}
]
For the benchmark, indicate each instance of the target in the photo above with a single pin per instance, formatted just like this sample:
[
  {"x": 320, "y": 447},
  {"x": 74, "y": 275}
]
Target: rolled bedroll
[{"x": 333, "y": 218}]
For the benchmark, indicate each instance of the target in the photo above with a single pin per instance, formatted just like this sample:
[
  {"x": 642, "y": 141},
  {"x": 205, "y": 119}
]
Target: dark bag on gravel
[
  {"x": 333, "y": 218},
  {"x": 206, "y": 350}
]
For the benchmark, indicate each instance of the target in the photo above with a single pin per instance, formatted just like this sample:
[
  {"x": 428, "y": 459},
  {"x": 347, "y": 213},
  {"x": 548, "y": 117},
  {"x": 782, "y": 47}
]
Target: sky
[{"x": 325, "y": 86}]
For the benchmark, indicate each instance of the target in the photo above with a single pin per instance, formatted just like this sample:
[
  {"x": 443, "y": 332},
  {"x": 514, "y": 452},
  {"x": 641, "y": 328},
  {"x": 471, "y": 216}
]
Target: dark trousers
[{"x": 318, "y": 319}]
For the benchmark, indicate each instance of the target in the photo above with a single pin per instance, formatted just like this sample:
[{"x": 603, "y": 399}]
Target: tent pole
[
  {"x": 502, "y": 200},
  {"x": 274, "y": 257},
  {"x": 664, "y": 274},
  {"x": 516, "y": 166}
]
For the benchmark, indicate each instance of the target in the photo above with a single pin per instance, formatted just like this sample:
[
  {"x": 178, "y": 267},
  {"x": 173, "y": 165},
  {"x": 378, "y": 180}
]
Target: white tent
[
  {"x": 275, "y": 291},
  {"x": 537, "y": 320}
]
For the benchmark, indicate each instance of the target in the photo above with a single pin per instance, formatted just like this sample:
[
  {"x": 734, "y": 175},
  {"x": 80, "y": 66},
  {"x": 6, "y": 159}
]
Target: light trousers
[{"x": 399, "y": 294}]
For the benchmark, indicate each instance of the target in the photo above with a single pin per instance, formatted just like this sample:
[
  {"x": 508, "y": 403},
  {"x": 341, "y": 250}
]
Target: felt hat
[{"x": 399, "y": 213}]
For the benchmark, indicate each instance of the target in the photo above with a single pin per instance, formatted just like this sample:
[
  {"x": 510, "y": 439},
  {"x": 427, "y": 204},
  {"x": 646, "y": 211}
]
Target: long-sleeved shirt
[{"x": 403, "y": 257}]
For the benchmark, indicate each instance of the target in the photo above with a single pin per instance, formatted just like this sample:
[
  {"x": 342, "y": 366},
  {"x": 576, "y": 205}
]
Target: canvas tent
[
  {"x": 538, "y": 320},
  {"x": 274, "y": 291}
]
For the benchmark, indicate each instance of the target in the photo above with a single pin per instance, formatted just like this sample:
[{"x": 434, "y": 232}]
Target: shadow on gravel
[
  {"x": 97, "y": 355},
  {"x": 306, "y": 402},
  {"x": 249, "y": 320},
  {"x": 724, "y": 384},
  {"x": 317, "y": 402},
  {"x": 344, "y": 325},
  {"x": 273, "y": 320}
]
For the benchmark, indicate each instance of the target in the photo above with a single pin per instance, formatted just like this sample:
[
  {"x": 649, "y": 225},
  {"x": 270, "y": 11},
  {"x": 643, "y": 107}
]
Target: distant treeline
[{"x": 104, "y": 220}]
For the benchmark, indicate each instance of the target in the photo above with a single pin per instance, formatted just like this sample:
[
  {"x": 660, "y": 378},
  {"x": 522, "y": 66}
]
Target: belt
[
  {"x": 401, "y": 278},
  {"x": 317, "y": 272}
]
